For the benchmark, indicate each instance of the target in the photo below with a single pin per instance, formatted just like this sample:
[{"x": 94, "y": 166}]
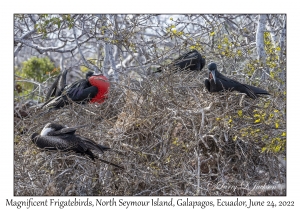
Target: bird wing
[
  {"x": 189, "y": 55},
  {"x": 202, "y": 61},
  {"x": 53, "y": 87},
  {"x": 61, "y": 83},
  {"x": 207, "y": 84},
  {"x": 64, "y": 131},
  {"x": 86, "y": 94},
  {"x": 67, "y": 130},
  {"x": 56, "y": 103},
  {"x": 230, "y": 84},
  {"x": 72, "y": 91},
  {"x": 55, "y": 142},
  {"x": 76, "y": 143},
  {"x": 78, "y": 90},
  {"x": 93, "y": 145},
  {"x": 190, "y": 60}
]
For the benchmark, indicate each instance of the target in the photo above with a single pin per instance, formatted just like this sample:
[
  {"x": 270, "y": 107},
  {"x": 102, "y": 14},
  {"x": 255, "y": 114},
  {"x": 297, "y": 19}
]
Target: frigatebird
[
  {"x": 191, "y": 60},
  {"x": 58, "y": 137},
  {"x": 93, "y": 89},
  {"x": 218, "y": 82},
  {"x": 58, "y": 85}
]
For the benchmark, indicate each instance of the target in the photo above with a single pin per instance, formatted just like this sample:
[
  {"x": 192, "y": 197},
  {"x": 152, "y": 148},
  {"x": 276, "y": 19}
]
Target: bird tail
[
  {"x": 109, "y": 163},
  {"x": 55, "y": 103},
  {"x": 92, "y": 145},
  {"x": 257, "y": 90}
]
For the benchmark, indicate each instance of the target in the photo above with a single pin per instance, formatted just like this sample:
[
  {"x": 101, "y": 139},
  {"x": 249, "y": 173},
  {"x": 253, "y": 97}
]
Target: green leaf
[{"x": 58, "y": 24}]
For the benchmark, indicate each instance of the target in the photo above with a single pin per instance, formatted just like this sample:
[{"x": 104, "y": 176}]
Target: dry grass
[{"x": 169, "y": 133}]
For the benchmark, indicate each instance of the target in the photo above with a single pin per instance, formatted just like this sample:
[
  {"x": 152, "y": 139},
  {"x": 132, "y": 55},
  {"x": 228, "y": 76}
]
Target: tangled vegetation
[{"x": 171, "y": 136}]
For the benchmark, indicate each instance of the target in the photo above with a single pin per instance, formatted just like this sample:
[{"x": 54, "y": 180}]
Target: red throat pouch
[{"x": 102, "y": 83}]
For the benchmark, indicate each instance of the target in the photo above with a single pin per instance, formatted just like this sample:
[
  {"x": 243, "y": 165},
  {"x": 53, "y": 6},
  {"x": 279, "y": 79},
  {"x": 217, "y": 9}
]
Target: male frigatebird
[
  {"x": 190, "y": 61},
  {"x": 218, "y": 82},
  {"x": 93, "y": 89},
  {"x": 58, "y": 137}
]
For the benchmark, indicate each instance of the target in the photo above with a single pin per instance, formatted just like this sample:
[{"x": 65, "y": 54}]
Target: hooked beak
[
  {"x": 213, "y": 73},
  {"x": 79, "y": 126},
  {"x": 97, "y": 73}
]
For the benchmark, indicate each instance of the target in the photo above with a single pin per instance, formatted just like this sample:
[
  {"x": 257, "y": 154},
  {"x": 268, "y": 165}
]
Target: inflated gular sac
[{"x": 93, "y": 89}]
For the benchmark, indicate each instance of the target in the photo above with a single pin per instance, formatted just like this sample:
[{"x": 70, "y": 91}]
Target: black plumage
[
  {"x": 57, "y": 86},
  {"x": 192, "y": 60},
  {"x": 58, "y": 137},
  {"x": 79, "y": 91},
  {"x": 218, "y": 82}
]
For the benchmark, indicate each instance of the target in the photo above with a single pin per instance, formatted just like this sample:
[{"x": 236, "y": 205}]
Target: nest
[{"x": 171, "y": 136}]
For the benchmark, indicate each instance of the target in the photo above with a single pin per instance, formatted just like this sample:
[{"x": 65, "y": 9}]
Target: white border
[{"x": 158, "y": 7}]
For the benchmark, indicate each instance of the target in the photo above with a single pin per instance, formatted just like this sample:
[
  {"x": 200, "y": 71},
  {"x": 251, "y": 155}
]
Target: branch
[
  {"x": 198, "y": 171},
  {"x": 41, "y": 50},
  {"x": 20, "y": 45},
  {"x": 89, "y": 65},
  {"x": 260, "y": 38}
]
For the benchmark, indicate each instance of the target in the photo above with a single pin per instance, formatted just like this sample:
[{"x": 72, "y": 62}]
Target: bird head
[
  {"x": 91, "y": 73},
  {"x": 33, "y": 136},
  {"x": 212, "y": 67},
  {"x": 50, "y": 127}
]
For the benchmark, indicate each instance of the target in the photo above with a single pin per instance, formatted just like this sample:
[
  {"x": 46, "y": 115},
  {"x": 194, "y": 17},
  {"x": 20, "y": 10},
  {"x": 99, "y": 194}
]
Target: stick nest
[{"x": 170, "y": 134}]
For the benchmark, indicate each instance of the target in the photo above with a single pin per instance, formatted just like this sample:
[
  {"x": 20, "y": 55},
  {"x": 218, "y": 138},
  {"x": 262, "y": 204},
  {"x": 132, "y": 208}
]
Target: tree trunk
[{"x": 260, "y": 46}]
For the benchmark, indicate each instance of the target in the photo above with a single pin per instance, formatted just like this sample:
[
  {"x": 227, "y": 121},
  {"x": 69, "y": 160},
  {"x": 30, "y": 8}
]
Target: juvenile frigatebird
[
  {"x": 58, "y": 85},
  {"x": 58, "y": 137},
  {"x": 190, "y": 61},
  {"x": 218, "y": 82},
  {"x": 93, "y": 89}
]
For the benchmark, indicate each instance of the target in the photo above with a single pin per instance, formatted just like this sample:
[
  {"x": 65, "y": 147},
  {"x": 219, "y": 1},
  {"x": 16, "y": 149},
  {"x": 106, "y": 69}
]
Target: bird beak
[
  {"x": 213, "y": 73},
  {"x": 80, "y": 126},
  {"x": 97, "y": 73}
]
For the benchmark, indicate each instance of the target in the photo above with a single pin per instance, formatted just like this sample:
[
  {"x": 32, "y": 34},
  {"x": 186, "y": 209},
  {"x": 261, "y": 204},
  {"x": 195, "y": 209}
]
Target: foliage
[
  {"x": 262, "y": 119},
  {"x": 36, "y": 69},
  {"x": 47, "y": 23}
]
